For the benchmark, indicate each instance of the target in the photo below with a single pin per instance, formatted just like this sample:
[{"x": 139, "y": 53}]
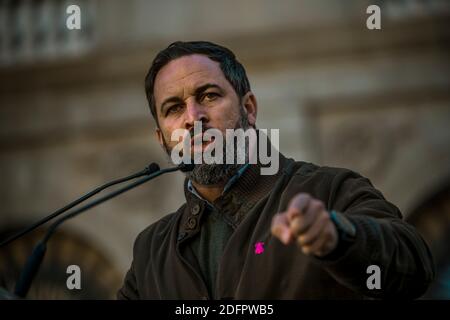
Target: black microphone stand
[
  {"x": 35, "y": 259},
  {"x": 153, "y": 167}
]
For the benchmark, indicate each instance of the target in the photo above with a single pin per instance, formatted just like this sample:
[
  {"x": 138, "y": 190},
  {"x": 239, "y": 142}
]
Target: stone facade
[{"x": 375, "y": 101}]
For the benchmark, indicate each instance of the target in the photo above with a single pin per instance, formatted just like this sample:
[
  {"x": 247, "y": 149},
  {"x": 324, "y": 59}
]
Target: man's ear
[
  {"x": 251, "y": 107},
  {"x": 159, "y": 136}
]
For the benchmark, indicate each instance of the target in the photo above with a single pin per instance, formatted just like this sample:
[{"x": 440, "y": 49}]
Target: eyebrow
[{"x": 197, "y": 92}]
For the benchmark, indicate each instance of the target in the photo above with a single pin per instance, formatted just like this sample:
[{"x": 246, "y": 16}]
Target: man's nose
[{"x": 194, "y": 112}]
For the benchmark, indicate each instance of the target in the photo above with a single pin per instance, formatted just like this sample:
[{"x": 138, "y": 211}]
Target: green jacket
[{"x": 255, "y": 265}]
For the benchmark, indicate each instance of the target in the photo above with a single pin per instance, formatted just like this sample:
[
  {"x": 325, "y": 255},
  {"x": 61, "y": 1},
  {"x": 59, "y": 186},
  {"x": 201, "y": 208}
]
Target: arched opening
[{"x": 99, "y": 278}]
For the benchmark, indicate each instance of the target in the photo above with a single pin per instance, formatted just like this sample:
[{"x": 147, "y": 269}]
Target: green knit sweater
[{"x": 209, "y": 244}]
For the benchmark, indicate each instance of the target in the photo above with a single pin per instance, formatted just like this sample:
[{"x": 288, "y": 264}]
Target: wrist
[{"x": 346, "y": 231}]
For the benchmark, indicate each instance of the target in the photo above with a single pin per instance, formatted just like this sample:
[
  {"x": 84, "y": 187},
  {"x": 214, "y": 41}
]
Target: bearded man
[{"x": 305, "y": 232}]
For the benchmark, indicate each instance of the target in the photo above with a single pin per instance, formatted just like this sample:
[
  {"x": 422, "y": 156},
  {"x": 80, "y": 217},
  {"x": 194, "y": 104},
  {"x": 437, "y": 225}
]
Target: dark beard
[{"x": 217, "y": 174}]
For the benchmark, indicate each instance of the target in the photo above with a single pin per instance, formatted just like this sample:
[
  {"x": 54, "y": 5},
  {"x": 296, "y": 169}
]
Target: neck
[{"x": 209, "y": 192}]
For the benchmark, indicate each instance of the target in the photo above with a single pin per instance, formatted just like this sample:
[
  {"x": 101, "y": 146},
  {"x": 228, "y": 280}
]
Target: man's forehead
[{"x": 188, "y": 71}]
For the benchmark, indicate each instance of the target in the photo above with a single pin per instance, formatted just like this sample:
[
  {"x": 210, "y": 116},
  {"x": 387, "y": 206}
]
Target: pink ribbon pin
[{"x": 259, "y": 247}]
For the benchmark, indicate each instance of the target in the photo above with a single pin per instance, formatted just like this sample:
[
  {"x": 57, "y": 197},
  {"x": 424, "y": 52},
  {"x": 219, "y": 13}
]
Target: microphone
[
  {"x": 35, "y": 259},
  {"x": 151, "y": 168},
  {"x": 183, "y": 167}
]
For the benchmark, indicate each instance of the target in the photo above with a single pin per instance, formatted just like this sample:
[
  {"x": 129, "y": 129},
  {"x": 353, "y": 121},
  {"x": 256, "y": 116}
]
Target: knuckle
[
  {"x": 306, "y": 250},
  {"x": 301, "y": 199},
  {"x": 296, "y": 224},
  {"x": 325, "y": 217},
  {"x": 305, "y": 239},
  {"x": 320, "y": 205},
  {"x": 305, "y": 196},
  {"x": 293, "y": 212},
  {"x": 316, "y": 205}
]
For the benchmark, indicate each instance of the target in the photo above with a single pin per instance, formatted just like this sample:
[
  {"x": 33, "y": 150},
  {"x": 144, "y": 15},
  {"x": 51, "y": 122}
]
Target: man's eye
[
  {"x": 210, "y": 96},
  {"x": 173, "y": 109}
]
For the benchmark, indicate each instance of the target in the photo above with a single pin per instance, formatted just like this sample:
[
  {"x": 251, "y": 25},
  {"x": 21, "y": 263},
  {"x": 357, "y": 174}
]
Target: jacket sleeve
[
  {"x": 382, "y": 239},
  {"x": 129, "y": 289},
  {"x": 139, "y": 282}
]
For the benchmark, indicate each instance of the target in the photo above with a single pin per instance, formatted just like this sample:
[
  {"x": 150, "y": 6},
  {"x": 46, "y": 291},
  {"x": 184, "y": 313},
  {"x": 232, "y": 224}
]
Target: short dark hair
[{"x": 232, "y": 69}]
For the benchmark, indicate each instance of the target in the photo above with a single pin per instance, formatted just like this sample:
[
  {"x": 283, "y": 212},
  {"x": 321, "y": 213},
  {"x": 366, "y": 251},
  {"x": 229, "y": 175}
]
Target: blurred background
[{"x": 73, "y": 114}]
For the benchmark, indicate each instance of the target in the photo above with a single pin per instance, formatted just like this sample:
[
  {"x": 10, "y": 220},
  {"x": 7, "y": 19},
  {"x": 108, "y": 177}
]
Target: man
[{"x": 305, "y": 232}]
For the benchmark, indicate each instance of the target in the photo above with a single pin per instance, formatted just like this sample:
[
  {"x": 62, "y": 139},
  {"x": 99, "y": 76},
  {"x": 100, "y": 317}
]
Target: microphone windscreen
[
  {"x": 152, "y": 167},
  {"x": 186, "y": 167}
]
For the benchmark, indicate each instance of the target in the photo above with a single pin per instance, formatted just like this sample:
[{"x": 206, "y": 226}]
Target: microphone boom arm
[
  {"x": 148, "y": 170},
  {"x": 34, "y": 261}
]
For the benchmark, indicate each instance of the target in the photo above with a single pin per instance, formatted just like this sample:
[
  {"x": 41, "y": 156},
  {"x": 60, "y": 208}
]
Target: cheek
[
  {"x": 167, "y": 126},
  {"x": 167, "y": 133},
  {"x": 226, "y": 116}
]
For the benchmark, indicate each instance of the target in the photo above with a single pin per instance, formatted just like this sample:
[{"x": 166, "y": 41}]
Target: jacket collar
[{"x": 228, "y": 185}]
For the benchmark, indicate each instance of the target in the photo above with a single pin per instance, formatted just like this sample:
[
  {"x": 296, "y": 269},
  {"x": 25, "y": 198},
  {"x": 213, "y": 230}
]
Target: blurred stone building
[{"x": 73, "y": 114}]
